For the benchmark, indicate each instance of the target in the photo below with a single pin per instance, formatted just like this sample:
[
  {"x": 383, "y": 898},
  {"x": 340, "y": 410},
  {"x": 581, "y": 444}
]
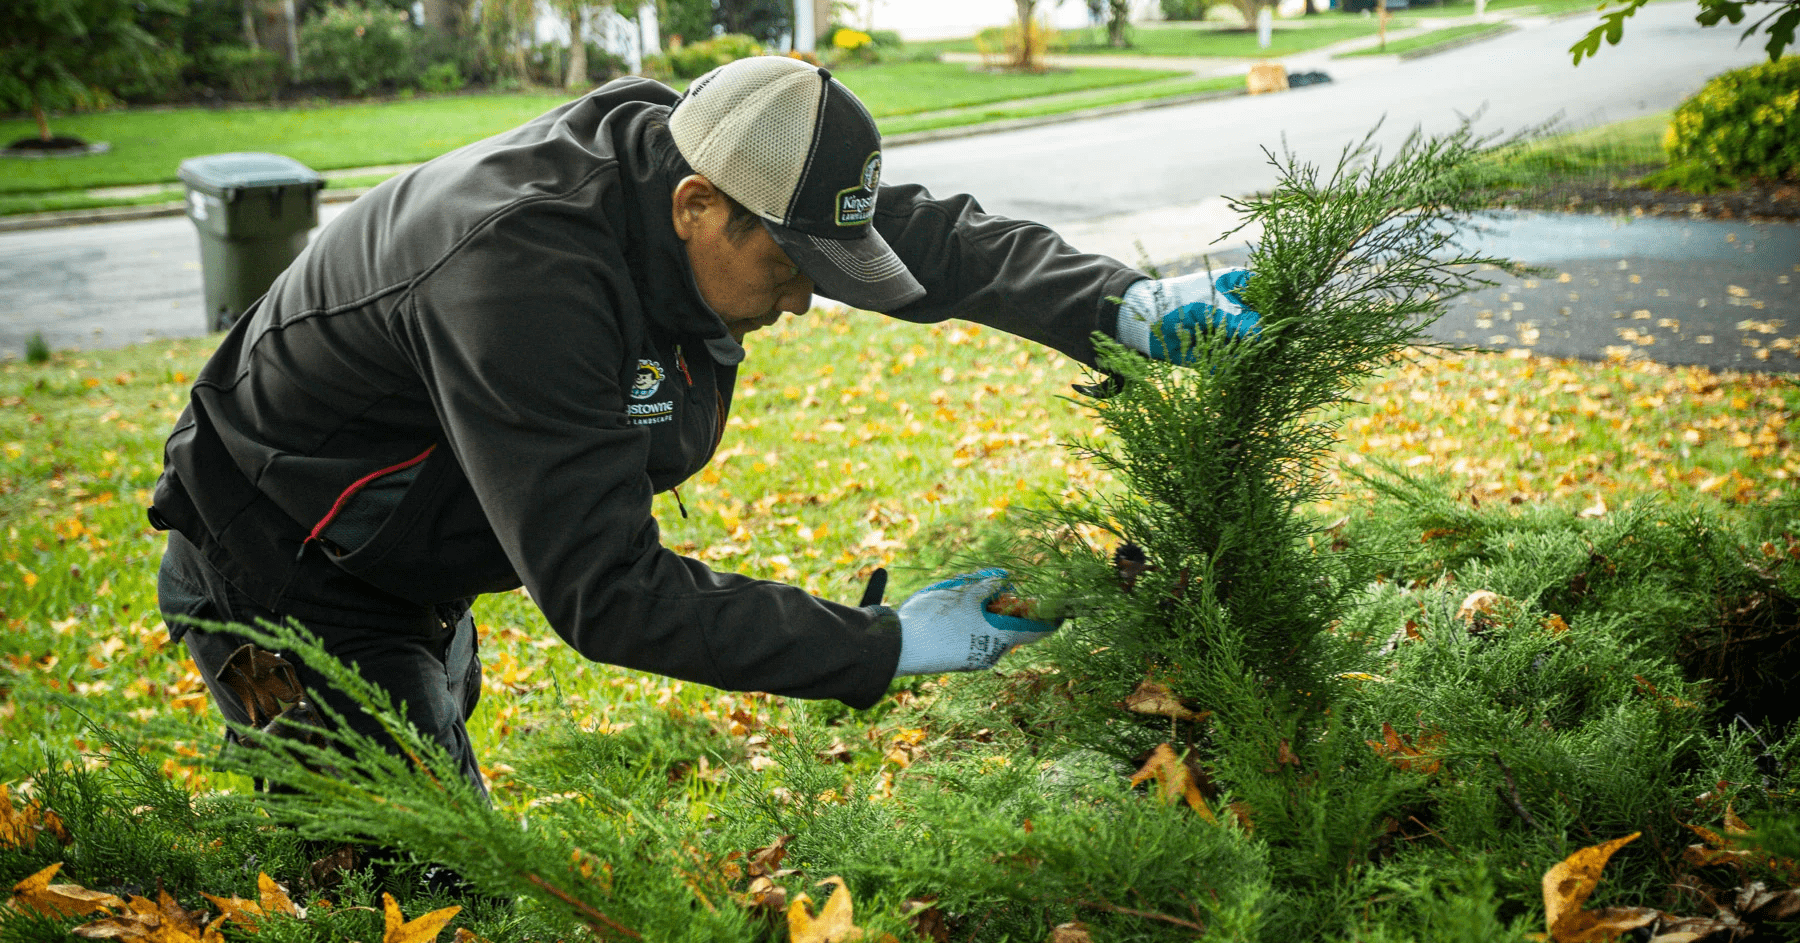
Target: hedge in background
[{"x": 1743, "y": 122}]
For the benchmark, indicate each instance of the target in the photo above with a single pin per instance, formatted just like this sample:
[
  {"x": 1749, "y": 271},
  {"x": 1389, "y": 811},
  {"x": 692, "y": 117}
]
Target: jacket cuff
[{"x": 881, "y": 647}]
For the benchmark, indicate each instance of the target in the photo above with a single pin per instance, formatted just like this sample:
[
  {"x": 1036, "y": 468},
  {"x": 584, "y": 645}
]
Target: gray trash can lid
[{"x": 221, "y": 174}]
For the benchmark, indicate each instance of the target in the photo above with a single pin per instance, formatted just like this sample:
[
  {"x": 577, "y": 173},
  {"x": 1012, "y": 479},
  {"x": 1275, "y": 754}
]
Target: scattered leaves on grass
[
  {"x": 398, "y": 929},
  {"x": 1072, "y": 932},
  {"x": 37, "y": 893},
  {"x": 162, "y": 921},
  {"x": 21, "y": 827},
  {"x": 1569, "y": 884},
  {"x": 272, "y": 899}
]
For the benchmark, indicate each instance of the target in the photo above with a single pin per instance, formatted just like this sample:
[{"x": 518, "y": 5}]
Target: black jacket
[{"x": 479, "y": 374}]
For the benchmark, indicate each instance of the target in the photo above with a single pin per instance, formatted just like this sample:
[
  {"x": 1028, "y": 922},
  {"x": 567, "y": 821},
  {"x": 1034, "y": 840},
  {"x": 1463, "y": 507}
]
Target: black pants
[{"x": 434, "y": 672}]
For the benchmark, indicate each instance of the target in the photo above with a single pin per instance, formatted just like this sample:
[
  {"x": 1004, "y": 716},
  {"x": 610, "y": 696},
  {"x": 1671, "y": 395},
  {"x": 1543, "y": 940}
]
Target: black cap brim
[{"x": 863, "y": 273}]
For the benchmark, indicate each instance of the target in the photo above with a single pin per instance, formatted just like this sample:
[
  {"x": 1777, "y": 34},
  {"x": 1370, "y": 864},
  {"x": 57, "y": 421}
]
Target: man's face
[{"x": 745, "y": 276}]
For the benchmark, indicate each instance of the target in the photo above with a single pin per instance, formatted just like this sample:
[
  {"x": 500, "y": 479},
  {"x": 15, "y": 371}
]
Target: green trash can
[{"x": 253, "y": 212}]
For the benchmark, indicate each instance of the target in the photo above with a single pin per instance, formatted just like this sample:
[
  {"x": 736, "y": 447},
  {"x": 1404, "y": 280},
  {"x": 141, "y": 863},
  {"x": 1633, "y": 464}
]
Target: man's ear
[{"x": 694, "y": 197}]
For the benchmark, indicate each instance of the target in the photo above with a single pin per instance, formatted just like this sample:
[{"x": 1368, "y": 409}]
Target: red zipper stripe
[{"x": 357, "y": 485}]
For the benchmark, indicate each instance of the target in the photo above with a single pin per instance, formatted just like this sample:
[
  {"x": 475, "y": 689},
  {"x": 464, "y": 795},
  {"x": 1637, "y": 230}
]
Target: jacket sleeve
[
  {"x": 1009, "y": 274},
  {"x": 520, "y": 348}
]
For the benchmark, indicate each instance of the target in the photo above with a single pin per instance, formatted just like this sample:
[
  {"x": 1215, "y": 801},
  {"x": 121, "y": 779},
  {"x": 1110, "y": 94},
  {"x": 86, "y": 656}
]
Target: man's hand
[
  {"x": 1161, "y": 317},
  {"x": 953, "y": 625}
]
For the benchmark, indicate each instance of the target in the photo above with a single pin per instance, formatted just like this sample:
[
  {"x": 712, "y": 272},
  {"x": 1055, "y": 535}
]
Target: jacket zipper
[{"x": 359, "y": 484}]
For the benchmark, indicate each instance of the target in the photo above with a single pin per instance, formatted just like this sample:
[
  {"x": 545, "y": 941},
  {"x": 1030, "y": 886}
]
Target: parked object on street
[
  {"x": 253, "y": 212},
  {"x": 1266, "y": 77},
  {"x": 1307, "y": 78}
]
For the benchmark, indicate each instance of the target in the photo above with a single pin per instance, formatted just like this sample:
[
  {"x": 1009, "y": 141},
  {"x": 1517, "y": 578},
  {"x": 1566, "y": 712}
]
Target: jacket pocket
[{"x": 415, "y": 530}]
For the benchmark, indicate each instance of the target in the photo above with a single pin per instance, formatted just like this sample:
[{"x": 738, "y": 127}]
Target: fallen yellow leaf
[
  {"x": 397, "y": 929},
  {"x": 1174, "y": 780},
  {"x": 1567, "y": 887},
  {"x": 832, "y": 925},
  {"x": 37, "y": 893}
]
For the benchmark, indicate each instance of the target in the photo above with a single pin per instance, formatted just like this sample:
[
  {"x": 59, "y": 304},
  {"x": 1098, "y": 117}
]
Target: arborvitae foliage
[{"x": 1227, "y": 607}]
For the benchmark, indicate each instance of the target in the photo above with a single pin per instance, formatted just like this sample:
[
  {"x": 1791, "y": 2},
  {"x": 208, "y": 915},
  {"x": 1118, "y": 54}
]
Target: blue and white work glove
[
  {"x": 947, "y": 626},
  {"x": 1160, "y": 317}
]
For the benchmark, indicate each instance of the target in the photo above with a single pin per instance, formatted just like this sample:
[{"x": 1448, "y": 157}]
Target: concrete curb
[
  {"x": 1015, "y": 124},
  {"x": 1506, "y": 27},
  {"x": 120, "y": 214}
]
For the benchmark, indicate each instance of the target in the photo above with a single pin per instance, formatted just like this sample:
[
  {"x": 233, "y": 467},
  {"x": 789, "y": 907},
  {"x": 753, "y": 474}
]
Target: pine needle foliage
[
  {"x": 1229, "y": 606},
  {"x": 601, "y": 858}
]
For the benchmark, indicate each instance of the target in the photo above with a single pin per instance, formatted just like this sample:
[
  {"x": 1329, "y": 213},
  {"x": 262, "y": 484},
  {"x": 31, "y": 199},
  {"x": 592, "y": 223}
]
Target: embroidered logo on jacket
[{"x": 649, "y": 378}]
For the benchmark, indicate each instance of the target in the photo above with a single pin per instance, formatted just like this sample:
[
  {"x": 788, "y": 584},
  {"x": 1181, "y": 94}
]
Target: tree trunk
[
  {"x": 1119, "y": 17},
  {"x": 577, "y": 77},
  {"x": 37, "y": 114},
  {"x": 250, "y": 25},
  {"x": 1027, "y": 60}
]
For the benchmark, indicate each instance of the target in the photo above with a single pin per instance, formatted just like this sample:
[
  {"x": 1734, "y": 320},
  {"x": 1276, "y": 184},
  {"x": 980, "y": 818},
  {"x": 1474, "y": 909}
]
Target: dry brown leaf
[
  {"x": 160, "y": 921},
  {"x": 766, "y": 895},
  {"x": 1756, "y": 902},
  {"x": 928, "y": 921},
  {"x": 1153, "y": 698},
  {"x": 21, "y": 827},
  {"x": 236, "y": 909},
  {"x": 1072, "y": 932},
  {"x": 37, "y": 893},
  {"x": 466, "y": 935},
  {"x": 1569, "y": 884},
  {"x": 832, "y": 925},
  {"x": 767, "y": 859},
  {"x": 1400, "y": 750},
  {"x": 397, "y": 929},
  {"x": 1174, "y": 781},
  {"x": 1478, "y": 605}
]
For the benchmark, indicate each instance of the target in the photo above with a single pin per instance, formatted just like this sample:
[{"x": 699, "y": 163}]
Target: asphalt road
[
  {"x": 1153, "y": 176},
  {"x": 1149, "y": 160}
]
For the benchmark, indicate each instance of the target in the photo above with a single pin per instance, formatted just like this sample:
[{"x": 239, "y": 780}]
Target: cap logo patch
[
  {"x": 649, "y": 377},
  {"x": 856, "y": 205}
]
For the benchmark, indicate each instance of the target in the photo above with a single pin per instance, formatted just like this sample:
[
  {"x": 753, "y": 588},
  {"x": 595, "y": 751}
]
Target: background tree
[
  {"x": 1778, "y": 23},
  {"x": 766, "y": 20},
  {"x": 68, "y": 53},
  {"x": 690, "y": 20}
]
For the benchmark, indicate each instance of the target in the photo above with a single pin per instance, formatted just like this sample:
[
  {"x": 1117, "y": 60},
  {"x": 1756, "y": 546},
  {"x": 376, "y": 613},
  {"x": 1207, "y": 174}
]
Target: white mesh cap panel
[{"x": 749, "y": 129}]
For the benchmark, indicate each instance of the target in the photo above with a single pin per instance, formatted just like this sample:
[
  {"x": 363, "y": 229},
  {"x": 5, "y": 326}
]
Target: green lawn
[
  {"x": 148, "y": 145},
  {"x": 1289, "y": 36},
  {"x": 1197, "y": 39},
  {"x": 906, "y": 88},
  {"x": 1619, "y": 152},
  {"x": 1436, "y": 37},
  {"x": 1168, "y": 89}
]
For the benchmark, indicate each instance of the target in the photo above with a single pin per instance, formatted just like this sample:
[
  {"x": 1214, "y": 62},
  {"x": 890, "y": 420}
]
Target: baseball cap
[{"x": 795, "y": 147}]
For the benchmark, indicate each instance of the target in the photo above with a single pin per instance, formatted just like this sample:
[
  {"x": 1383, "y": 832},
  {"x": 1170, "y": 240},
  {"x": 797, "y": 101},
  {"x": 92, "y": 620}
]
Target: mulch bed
[{"x": 1757, "y": 200}]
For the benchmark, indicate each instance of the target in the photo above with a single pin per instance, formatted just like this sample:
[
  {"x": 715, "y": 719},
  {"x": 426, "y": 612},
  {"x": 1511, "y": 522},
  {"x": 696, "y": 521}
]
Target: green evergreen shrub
[
  {"x": 689, "y": 21},
  {"x": 441, "y": 77},
  {"x": 358, "y": 49},
  {"x": 1744, "y": 123},
  {"x": 692, "y": 60},
  {"x": 251, "y": 74}
]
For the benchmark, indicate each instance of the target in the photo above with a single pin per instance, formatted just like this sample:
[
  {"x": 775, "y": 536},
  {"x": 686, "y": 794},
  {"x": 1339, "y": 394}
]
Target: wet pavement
[
  {"x": 1720, "y": 293},
  {"x": 1717, "y": 293}
]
